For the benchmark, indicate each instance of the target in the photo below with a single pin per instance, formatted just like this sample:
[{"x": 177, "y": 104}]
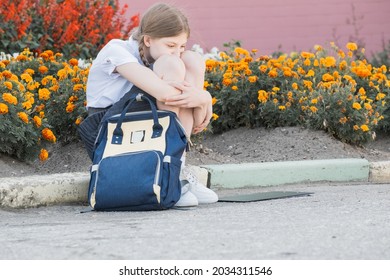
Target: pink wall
[{"x": 293, "y": 25}]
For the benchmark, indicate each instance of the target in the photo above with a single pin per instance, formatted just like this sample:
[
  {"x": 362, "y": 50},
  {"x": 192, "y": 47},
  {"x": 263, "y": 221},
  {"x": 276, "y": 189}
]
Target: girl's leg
[
  {"x": 194, "y": 75},
  {"x": 172, "y": 68}
]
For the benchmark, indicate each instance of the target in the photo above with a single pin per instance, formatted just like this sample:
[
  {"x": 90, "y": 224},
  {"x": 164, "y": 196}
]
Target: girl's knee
[
  {"x": 193, "y": 61},
  {"x": 169, "y": 65}
]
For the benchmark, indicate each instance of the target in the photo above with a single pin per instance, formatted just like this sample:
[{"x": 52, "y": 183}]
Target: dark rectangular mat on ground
[{"x": 261, "y": 196}]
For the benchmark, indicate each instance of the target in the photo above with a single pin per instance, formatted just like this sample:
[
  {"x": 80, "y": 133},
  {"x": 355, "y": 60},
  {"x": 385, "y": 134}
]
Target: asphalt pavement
[{"x": 338, "y": 221}]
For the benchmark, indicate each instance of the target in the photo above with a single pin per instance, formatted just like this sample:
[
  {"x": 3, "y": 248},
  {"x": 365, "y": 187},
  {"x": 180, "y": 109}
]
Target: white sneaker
[
  {"x": 187, "y": 199},
  {"x": 200, "y": 191}
]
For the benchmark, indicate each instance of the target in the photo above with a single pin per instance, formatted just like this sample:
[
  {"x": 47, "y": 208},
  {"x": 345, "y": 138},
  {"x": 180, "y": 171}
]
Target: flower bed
[{"x": 43, "y": 97}]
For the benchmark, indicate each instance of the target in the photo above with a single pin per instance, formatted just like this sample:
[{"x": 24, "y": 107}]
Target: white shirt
[{"x": 104, "y": 87}]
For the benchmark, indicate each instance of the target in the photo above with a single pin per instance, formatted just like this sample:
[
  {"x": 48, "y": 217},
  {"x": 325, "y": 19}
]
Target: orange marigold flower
[
  {"x": 48, "y": 135},
  {"x": 7, "y": 74},
  {"x": 273, "y": 73},
  {"x": 43, "y": 94},
  {"x": 364, "y": 128},
  {"x": 307, "y": 55},
  {"x": 43, "y": 69},
  {"x": 252, "y": 79},
  {"x": 23, "y": 116},
  {"x": 3, "y": 109},
  {"x": 8, "y": 85},
  {"x": 327, "y": 77},
  {"x": 234, "y": 88},
  {"x": 70, "y": 107},
  {"x": 329, "y": 61},
  {"x": 43, "y": 155},
  {"x": 313, "y": 109},
  {"x": 352, "y": 46},
  {"x": 78, "y": 87},
  {"x": 26, "y": 77},
  {"x": 213, "y": 101},
  {"x": 27, "y": 105},
  {"x": 37, "y": 121},
  {"x": 73, "y": 62},
  {"x": 294, "y": 86},
  {"x": 380, "y": 96},
  {"x": 262, "y": 96},
  {"x": 8, "y": 97},
  {"x": 227, "y": 82},
  {"x": 343, "y": 120},
  {"x": 78, "y": 121},
  {"x": 263, "y": 68},
  {"x": 356, "y": 106}
]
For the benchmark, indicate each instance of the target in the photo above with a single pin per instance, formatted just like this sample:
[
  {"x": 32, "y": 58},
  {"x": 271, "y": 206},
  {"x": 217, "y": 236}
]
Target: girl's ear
[{"x": 147, "y": 40}]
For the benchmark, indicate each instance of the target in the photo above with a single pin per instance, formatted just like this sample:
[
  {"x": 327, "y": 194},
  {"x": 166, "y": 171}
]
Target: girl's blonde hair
[{"x": 159, "y": 21}]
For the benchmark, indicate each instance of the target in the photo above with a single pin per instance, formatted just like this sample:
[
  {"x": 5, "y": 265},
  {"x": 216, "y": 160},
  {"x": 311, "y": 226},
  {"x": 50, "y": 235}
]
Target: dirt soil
[{"x": 236, "y": 146}]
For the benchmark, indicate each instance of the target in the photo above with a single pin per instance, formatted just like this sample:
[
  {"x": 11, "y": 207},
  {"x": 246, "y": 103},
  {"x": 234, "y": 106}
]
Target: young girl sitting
[{"x": 154, "y": 59}]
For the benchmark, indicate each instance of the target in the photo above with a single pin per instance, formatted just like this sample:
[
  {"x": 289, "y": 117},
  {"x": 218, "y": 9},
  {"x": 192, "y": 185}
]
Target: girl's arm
[{"x": 176, "y": 92}]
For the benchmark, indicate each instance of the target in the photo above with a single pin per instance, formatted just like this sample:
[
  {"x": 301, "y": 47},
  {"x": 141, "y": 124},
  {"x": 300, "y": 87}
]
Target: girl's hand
[
  {"x": 206, "y": 121},
  {"x": 189, "y": 98}
]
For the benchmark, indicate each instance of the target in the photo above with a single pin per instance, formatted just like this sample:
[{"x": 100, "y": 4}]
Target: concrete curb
[
  {"x": 288, "y": 172},
  {"x": 69, "y": 188}
]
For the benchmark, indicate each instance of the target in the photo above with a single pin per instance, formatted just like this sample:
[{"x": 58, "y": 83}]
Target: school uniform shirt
[{"x": 104, "y": 86}]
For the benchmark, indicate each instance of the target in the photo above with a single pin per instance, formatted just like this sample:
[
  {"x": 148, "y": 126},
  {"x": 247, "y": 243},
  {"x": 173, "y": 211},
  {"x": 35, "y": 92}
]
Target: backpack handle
[{"x": 118, "y": 132}]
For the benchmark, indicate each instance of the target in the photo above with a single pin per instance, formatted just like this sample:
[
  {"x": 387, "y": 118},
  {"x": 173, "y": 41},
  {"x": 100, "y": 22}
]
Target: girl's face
[{"x": 167, "y": 45}]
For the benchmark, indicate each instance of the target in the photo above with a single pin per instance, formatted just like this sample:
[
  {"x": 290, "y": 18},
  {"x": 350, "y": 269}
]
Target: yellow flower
[
  {"x": 351, "y": 46},
  {"x": 380, "y": 96},
  {"x": 27, "y": 105},
  {"x": 313, "y": 109},
  {"x": 215, "y": 116},
  {"x": 314, "y": 101},
  {"x": 327, "y": 77},
  {"x": 263, "y": 68},
  {"x": 26, "y": 77},
  {"x": 356, "y": 106},
  {"x": 329, "y": 61},
  {"x": 273, "y": 73},
  {"x": 343, "y": 120},
  {"x": 310, "y": 73},
  {"x": 74, "y": 62},
  {"x": 8, "y": 85},
  {"x": 37, "y": 121},
  {"x": 78, "y": 121},
  {"x": 252, "y": 79},
  {"x": 356, "y": 127},
  {"x": 206, "y": 84},
  {"x": 3, "y": 109},
  {"x": 234, "y": 88},
  {"x": 62, "y": 74},
  {"x": 294, "y": 86},
  {"x": 282, "y": 108},
  {"x": 307, "y": 55},
  {"x": 43, "y": 94},
  {"x": 8, "y": 97},
  {"x": 70, "y": 107},
  {"x": 43, "y": 155},
  {"x": 77, "y": 87},
  {"x": 214, "y": 100},
  {"x": 364, "y": 128},
  {"x": 227, "y": 82},
  {"x": 367, "y": 106},
  {"x": 43, "y": 69},
  {"x": 48, "y": 135},
  {"x": 262, "y": 96},
  {"x": 275, "y": 89},
  {"x": 23, "y": 116}
]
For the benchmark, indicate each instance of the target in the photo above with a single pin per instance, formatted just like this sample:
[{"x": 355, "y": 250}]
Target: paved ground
[{"x": 336, "y": 222}]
